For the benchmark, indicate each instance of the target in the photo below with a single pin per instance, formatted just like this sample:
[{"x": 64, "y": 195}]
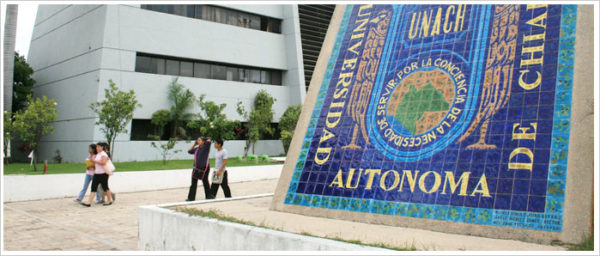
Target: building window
[
  {"x": 154, "y": 64},
  {"x": 220, "y": 15},
  {"x": 187, "y": 68},
  {"x": 172, "y": 67},
  {"x": 202, "y": 70}
]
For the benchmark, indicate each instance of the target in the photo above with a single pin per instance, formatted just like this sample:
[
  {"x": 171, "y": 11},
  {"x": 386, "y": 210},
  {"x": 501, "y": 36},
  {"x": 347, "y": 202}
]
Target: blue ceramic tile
[{"x": 412, "y": 118}]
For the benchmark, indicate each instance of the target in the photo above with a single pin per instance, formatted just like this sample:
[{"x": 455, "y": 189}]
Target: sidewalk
[{"x": 61, "y": 224}]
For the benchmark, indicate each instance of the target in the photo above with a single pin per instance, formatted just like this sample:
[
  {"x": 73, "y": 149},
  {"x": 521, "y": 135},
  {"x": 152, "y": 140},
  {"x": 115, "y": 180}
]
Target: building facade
[{"x": 227, "y": 52}]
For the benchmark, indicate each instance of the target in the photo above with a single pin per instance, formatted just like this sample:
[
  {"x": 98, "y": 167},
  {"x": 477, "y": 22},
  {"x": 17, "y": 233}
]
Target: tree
[
  {"x": 34, "y": 122},
  {"x": 212, "y": 122},
  {"x": 165, "y": 149},
  {"x": 22, "y": 83},
  {"x": 114, "y": 112},
  {"x": 287, "y": 124},
  {"x": 181, "y": 99},
  {"x": 160, "y": 118},
  {"x": 8, "y": 133},
  {"x": 259, "y": 119}
]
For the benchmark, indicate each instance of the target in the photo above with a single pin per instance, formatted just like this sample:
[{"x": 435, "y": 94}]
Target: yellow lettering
[
  {"x": 412, "y": 32},
  {"x": 529, "y": 86},
  {"x": 321, "y": 151},
  {"x": 371, "y": 173},
  {"x": 351, "y": 176},
  {"x": 396, "y": 180},
  {"x": 523, "y": 135},
  {"x": 484, "y": 191},
  {"x": 412, "y": 180},
  {"x": 338, "y": 180},
  {"x": 436, "y": 183},
  {"x": 435, "y": 30},
  {"x": 460, "y": 18},
  {"x": 517, "y": 166},
  {"x": 463, "y": 181},
  {"x": 447, "y": 22}
]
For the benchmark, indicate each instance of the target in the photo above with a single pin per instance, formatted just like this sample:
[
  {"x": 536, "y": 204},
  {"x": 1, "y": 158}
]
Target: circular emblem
[{"x": 423, "y": 106}]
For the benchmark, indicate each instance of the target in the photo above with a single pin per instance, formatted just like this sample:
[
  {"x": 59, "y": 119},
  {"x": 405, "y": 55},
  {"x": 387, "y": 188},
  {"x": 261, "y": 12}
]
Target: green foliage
[
  {"x": 212, "y": 122},
  {"x": 22, "y": 83},
  {"x": 287, "y": 124},
  {"x": 160, "y": 118},
  {"x": 55, "y": 168},
  {"x": 114, "y": 112},
  {"x": 34, "y": 122},
  {"x": 166, "y": 149},
  {"x": 252, "y": 158},
  {"x": 181, "y": 99},
  {"x": 8, "y": 133},
  {"x": 264, "y": 158},
  {"x": 259, "y": 119}
]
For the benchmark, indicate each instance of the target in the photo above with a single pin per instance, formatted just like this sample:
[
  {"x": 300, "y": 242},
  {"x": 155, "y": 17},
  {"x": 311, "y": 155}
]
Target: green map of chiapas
[{"x": 415, "y": 103}]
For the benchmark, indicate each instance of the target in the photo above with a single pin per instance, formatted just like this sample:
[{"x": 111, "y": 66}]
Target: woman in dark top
[{"x": 200, "y": 150}]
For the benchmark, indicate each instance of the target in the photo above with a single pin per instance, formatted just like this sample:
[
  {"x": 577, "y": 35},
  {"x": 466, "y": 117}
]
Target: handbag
[
  {"x": 109, "y": 167},
  {"x": 217, "y": 179}
]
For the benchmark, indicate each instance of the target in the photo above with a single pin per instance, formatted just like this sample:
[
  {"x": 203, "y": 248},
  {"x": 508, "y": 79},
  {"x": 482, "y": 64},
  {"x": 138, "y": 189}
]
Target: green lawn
[{"x": 24, "y": 168}]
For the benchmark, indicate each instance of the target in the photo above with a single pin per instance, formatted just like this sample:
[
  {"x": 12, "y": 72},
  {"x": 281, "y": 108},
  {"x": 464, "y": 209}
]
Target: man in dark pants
[
  {"x": 200, "y": 150},
  {"x": 220, "y": 169}
]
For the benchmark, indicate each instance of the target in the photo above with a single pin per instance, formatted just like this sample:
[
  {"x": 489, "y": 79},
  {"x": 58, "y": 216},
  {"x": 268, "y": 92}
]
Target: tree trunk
[{"x": 246, "y": 148}]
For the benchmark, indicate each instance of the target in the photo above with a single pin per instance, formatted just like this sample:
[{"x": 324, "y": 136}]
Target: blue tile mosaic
[{"x": 448, "y": 112}]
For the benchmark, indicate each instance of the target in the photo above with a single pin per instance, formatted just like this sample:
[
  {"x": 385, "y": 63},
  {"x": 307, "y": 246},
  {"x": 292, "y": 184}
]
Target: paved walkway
[{"x": 61, "y": 224}]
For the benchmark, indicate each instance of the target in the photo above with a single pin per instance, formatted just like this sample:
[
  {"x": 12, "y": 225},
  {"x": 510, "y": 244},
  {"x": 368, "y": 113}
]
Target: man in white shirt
[{"x": 220, "y": 164}]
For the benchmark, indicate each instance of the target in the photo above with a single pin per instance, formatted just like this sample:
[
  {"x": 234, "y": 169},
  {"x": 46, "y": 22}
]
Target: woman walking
[
  {"x": 200, "y": 150},
  {"x": 100, "y": 176},
  {"x": 89, "y": 174}
]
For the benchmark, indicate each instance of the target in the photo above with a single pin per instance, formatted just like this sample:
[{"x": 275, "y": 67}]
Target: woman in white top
[{"x": 100, "y": 176}]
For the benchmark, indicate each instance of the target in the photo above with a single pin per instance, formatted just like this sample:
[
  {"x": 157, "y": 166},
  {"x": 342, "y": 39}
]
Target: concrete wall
[
  {"x": 35, "y": 187},
  {"x": 167, "y": 230},
  {"x": 76, "y": 49}
]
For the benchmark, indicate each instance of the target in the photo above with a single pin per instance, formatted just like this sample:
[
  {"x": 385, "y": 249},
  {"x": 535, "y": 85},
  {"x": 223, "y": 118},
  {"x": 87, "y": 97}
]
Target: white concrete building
[{"x": 228, "y": 52}]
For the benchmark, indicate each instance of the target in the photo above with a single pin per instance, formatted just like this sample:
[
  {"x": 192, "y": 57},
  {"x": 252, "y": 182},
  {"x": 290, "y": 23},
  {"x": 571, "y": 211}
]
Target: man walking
[
  {"x": 220, "y": 164},
  {"x": 200, "y": 150}
]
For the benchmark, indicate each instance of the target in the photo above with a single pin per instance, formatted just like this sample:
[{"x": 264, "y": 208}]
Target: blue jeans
[{"x": 86, "y": 184}]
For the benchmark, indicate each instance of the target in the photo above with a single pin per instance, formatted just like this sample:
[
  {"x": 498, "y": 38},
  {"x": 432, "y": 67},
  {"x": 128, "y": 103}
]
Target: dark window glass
[
  {"x": 179, "y": 10},
  {"x": 265, "y": 77},
  {"x": 276, "y": 77},
  {"x": 199, "y": 9},
  {"x": 176, "y": 67},
  {"x": 244, "y": 75},
  {"x": 254, "y": 21},
  {"x": 190, "y": 11},
  {"x": 158, "y": 66},
  {"x": 172, "y": 67},
  {"x": 143, "y": 64},
  {"x": 232, "y": 74},
  {"x": 220, "y": 15},
  {"x": 187, "y": 68},
  {"x": 243, "y": 20},
  {"x": 275, "y": 26},
  {"x": 255, "y": 76},
  {"x": 219, "y": 72},
  {"x": 264, "y": 23},
  {"x": 208, "y": 13},
  {"x": 201, "y": 70}
]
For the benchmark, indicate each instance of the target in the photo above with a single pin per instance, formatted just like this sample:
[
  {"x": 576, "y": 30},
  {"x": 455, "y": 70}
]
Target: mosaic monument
[{"x": 455, "y": 118}]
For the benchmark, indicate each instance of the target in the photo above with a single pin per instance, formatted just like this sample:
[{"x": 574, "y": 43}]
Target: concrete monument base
[{"x": 162, "y": 227}]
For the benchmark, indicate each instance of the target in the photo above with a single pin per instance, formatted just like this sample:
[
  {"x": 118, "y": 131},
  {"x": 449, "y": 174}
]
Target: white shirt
[{"x": 220, "y": 156}]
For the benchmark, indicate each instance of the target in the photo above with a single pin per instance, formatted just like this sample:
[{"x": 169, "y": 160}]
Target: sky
[{"x": 25, "y": 22}]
